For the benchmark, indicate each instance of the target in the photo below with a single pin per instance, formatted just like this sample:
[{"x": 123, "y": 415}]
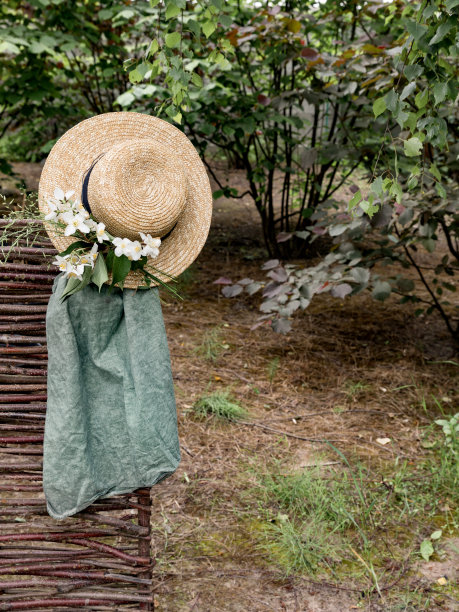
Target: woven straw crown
[{"x": 142, "y": 175}]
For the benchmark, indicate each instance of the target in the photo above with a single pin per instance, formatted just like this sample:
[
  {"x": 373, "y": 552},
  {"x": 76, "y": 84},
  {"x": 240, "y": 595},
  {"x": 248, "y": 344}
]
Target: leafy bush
[
  {"x": 360, "y": 260},
  {"x": 285, "y": 111},
  {"x": 61, "y": 62},
  {"x": 414, "y": 197}
]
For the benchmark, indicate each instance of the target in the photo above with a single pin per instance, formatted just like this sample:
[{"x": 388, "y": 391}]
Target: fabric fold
[{"x": 111, "y": 420}]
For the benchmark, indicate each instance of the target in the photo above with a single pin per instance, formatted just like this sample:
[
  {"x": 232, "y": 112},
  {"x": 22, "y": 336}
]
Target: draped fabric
[{"x": 111, "y": 420}]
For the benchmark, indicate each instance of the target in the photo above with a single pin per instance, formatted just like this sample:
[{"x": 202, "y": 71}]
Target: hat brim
[{"x": 73, "y": 154}]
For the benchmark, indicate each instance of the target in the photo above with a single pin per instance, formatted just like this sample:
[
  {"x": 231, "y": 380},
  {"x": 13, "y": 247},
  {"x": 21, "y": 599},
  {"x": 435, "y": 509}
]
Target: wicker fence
[{"x": 99, "y": 559}]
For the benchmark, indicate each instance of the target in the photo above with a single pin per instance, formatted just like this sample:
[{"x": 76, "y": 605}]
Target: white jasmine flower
[
  {"x": 59, "y": 194},
  {"x": 54, "y": 212},
  {"x": 78, "y": 206},
  {"x": 91, "y": 224},
  {"x": 149, "y": 241},
  {"x": 150, "y": 251},
  {"x": 101, "y": 233},
  {"x": 75, "y": 271},
  {"x": 94, "y": 252},
  {"x": 75, "y": 265},
  {"x": 71, "y": 265},
  {"x": 89, "y": 259},
  {"x": 74, "y": 223},
  {"x": 151, "y": 245},
  {"x": 135, "y": 251},
  {"x": 123, "y": 246},
  {"x": 61, "y": 262}
]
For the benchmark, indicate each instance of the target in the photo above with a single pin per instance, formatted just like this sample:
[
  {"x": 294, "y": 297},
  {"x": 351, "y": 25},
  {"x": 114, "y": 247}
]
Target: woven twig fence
[{"x": 99, "y": 559}]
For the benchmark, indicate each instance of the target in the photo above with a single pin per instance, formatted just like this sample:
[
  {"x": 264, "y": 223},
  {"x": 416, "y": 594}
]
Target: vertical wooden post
[{"x": 144, "y": 518}]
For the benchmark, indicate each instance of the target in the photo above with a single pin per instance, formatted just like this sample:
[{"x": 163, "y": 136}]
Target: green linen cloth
[{"x": 111, "y": 420}]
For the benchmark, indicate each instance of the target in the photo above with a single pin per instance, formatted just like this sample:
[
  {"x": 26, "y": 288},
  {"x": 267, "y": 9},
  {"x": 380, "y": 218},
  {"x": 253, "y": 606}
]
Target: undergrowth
[
  {"x": 359, "y": 520},
  {"x": 220, "y": 404}
]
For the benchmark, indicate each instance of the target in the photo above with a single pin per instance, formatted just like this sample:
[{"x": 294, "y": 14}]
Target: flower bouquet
[{"x": 96, "y": 254}]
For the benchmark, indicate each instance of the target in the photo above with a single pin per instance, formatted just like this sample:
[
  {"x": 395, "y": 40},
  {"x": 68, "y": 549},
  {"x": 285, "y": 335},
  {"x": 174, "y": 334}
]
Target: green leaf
[
  {"x": 426, "y": 549},
  {"x": 441, "y": 32},
  {"x": 440, "y": 91},
  {"x": 355, "y": 199},
  {"x": 125, "y": 99},
  {"x": 121, "y": 268},
  {"x": 139, "y": 264},
  {"x": 412, "y": 147},
  {"x": 405, "y": 284},
  {"x": 72, "y": 285},
  {"x": 152, "y": 49},
  {"x": 381, "y": 291},
  {"x": 226, "y": 21},
  {"x": 172, "y": 11},
  {"x": 408, "y": 90},
  {"x": 109, "y": 260},
  {"x": 379, "y": 106},
  {"x": 174, "y": 113},
  {"x": 137, "y": 75},
  {"x": 75, "y": 284},
  {"x": 172, "y": 40},
  {"x": 421, "y": 98},
  {"x": 396, "y": 191},
  {"x": 208, "y": 27},
  {"x": 368, "y": 208},
  {"x": 417, "y": 30},
  {"x": 429, "y": 244},
  {"x": 450, "y": 4},
  {"x": 401, "y": 117},
  {"x": 194, "y": 27},
  {"x": 99, "y": 274},
  {"x": 78, "y": 244},
  {"x": 436, "y": 535},
  {"x": 413, "y": 72},
  {"x": 435, "y": 172},
  {"x": 196, "y": 79},
  {"x": 440, "y": 190},
  {"x": 105, "y": 13},
  {"x": 377, "y": 186},
  {"x": 391, "y": 99}
]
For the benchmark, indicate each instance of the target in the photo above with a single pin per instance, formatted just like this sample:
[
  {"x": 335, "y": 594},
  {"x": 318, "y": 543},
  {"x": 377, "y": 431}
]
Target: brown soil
[{"x": 207, "y": 560}]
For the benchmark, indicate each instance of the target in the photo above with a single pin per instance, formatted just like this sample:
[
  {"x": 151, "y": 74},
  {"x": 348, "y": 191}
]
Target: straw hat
[{"x": 142, "y": 175}]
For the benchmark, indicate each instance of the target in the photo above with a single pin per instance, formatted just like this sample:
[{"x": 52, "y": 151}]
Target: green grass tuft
[
  {"x": 212, "y": 344},
  {"x": 221, "y": 405}
]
